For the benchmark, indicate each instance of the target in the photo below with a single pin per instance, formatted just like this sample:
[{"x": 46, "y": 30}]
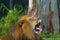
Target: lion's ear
[
  {"x": 17, "y": 24},
  {"x": 21, "y": 23}
]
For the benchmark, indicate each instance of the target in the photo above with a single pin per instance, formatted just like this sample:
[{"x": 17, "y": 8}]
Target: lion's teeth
[{"x": 37, "y": 28}]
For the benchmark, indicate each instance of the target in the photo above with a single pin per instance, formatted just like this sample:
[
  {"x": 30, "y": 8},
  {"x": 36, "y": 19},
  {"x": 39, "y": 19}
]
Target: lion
[{"x": 26, "y": 28}]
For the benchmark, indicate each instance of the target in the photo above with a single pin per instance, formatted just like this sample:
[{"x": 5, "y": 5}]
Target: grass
[
  {"x": 51, "y": 36},
  {"x": 9, "y": 20}
]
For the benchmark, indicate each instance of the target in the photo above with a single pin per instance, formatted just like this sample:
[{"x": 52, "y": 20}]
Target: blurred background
[{"x": 12, "y": 10}]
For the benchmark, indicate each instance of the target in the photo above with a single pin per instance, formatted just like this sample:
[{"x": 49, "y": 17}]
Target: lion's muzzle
[{"x": 38, "y": 28}]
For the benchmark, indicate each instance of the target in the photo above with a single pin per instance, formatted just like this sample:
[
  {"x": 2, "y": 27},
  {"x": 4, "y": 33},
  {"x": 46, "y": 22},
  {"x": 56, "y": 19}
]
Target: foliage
[
  {"x": 50, "y": 36},
  {"x": 9, "y": 20}
]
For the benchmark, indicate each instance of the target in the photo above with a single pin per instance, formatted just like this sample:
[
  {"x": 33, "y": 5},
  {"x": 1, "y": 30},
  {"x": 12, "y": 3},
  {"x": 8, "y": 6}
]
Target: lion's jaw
[{"x": 36, "y": 25}]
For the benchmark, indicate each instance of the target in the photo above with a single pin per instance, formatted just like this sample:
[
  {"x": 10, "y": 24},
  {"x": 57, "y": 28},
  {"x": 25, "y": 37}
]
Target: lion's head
[{"x": 28, "y": 27}]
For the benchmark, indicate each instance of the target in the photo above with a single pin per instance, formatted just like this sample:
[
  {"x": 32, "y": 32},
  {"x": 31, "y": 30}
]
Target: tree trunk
[
  {"x": 58, "y": 4},
  {"x": 43, "y": 13}
]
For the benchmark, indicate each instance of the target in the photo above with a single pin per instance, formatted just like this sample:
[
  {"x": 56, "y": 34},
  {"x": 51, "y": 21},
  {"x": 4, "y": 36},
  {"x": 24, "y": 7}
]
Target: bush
[{"x": 7, "y": 22}]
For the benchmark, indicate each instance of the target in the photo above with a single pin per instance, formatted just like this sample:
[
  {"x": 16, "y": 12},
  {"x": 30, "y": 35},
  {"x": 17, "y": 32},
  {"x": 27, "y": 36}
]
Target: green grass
[
  {"x": 9, "y": 20},
  {"x": 51, "y": 37}
]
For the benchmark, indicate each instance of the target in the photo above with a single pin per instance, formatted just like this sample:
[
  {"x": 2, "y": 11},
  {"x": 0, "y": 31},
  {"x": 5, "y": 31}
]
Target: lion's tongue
[{"x": 38, "y": 30}]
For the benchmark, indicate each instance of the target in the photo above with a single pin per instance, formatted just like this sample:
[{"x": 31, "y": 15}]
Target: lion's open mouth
[{"x": 38, "y": 28}]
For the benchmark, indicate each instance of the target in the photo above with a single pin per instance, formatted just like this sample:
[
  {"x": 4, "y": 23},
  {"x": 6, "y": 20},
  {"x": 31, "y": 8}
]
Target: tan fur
[{"x": 23, "y": 29}]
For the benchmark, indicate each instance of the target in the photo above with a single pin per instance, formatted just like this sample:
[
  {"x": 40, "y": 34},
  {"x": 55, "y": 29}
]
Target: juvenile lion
[{"x": 27, "y": 28}]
